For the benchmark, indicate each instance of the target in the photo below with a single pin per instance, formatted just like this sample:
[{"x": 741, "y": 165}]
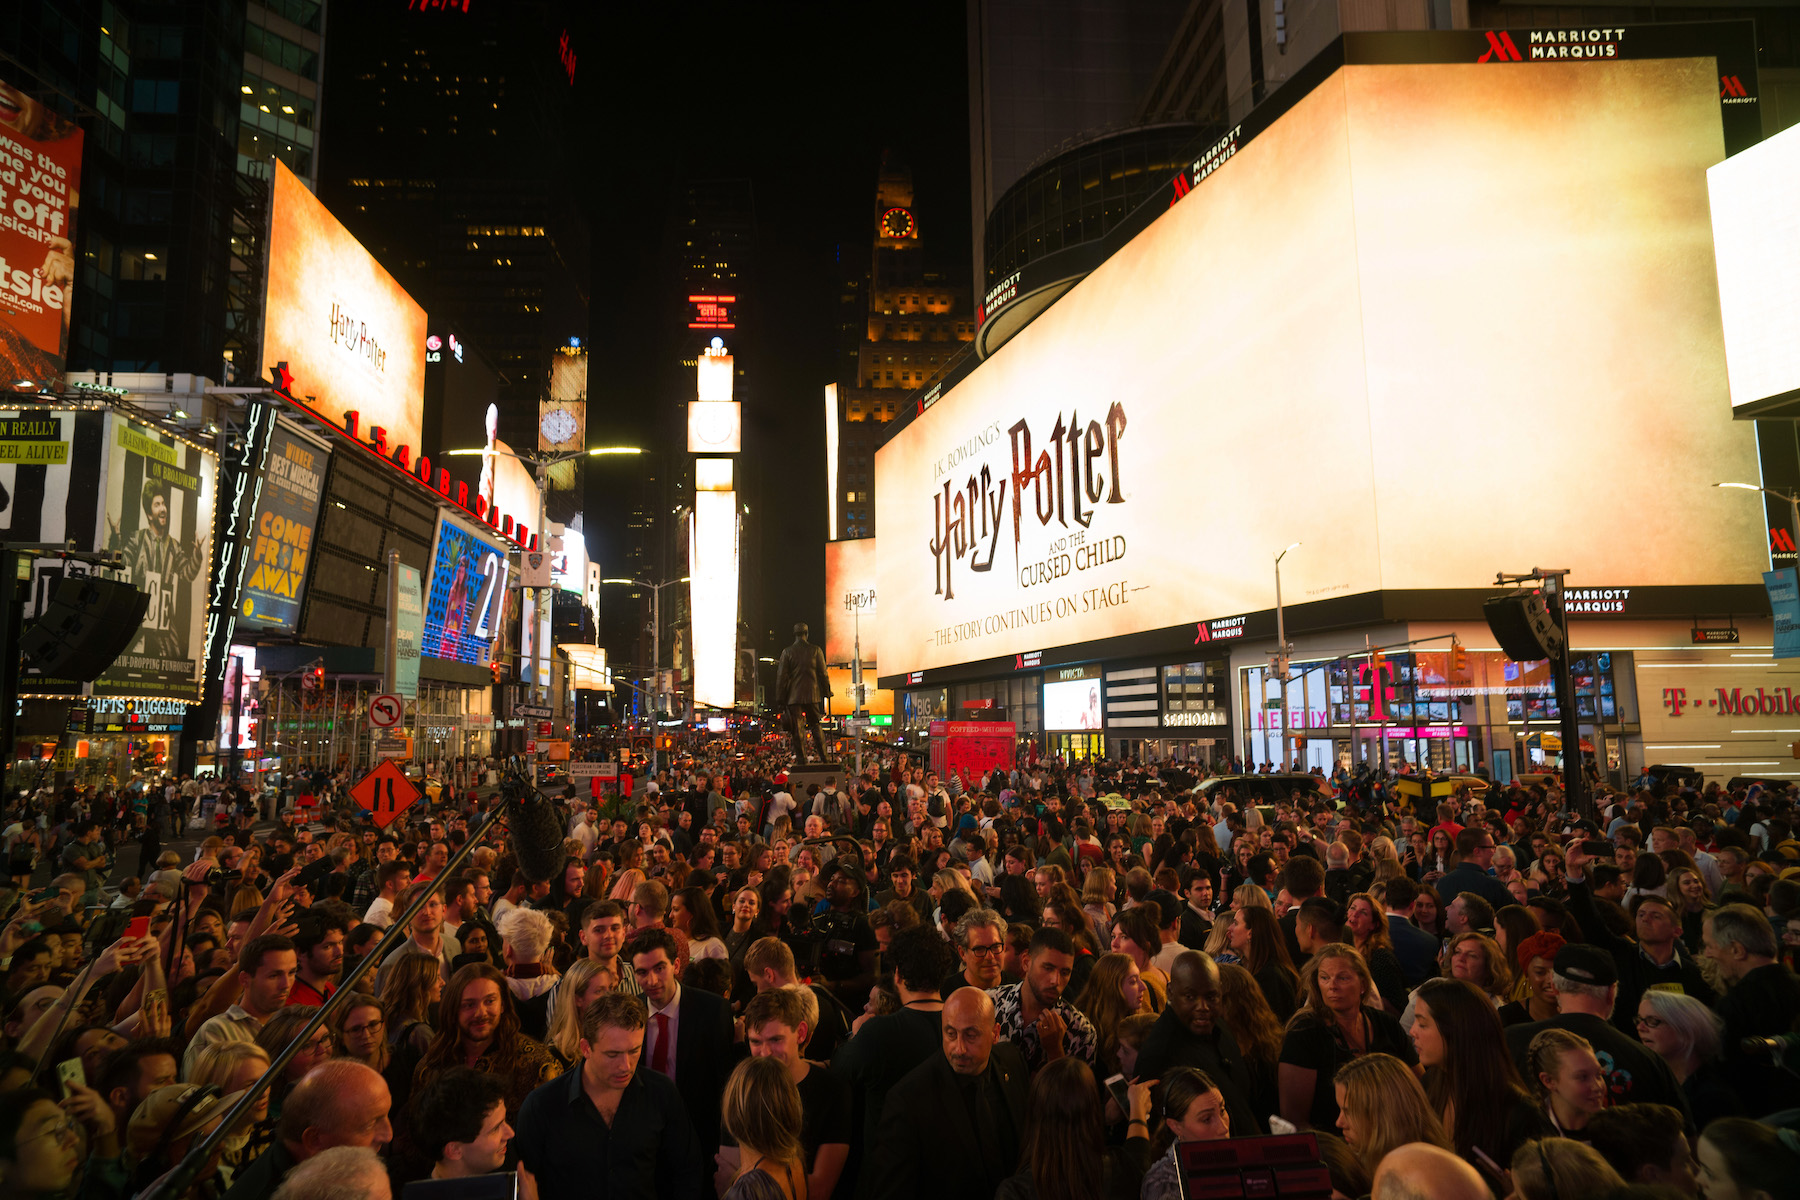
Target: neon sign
[{"x": 712, "y": 312}]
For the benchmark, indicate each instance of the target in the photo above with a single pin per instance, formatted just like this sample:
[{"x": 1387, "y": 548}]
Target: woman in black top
[{"x": 1342, "y": 1021}]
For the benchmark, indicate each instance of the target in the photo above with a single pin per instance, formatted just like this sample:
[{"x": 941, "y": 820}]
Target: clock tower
[{"x": 913, "y": 322}]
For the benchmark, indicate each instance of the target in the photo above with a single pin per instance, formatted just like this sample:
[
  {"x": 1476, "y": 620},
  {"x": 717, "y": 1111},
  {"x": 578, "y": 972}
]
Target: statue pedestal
[{"x": 800, "y": 778}]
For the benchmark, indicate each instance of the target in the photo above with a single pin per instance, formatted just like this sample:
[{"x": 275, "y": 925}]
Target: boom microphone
[{"x": 537, "y": 840}]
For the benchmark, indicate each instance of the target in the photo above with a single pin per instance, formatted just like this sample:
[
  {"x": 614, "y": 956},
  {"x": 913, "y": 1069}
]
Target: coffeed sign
[{"x": 1117, "y": 466}]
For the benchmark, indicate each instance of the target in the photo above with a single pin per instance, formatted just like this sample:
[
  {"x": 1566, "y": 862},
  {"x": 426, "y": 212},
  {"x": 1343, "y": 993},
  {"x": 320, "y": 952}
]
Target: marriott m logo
[
  {"x": 1500, "y": 48},
  {"x": 1781, "y": 541},
  {"x": 1731, "y": 86}
]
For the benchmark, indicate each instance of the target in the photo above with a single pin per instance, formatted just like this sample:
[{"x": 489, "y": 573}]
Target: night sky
[{"x": 801, "y": 101}]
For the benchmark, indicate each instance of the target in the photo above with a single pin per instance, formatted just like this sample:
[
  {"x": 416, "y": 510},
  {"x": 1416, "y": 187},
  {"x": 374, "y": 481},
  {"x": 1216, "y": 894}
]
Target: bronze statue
[{"x": 802, "y": 686}]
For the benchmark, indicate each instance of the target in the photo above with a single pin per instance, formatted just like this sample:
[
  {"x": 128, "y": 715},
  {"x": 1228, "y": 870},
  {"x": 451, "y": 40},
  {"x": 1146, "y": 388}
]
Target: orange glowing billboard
[
  {"x": 1499, "y": 266},
  {"x": 850, "y": 600},
  {"x": 352, "y": 337}
]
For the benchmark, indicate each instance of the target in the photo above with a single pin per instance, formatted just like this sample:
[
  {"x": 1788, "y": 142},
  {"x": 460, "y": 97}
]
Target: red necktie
[{"x": 659, "y": 1060}]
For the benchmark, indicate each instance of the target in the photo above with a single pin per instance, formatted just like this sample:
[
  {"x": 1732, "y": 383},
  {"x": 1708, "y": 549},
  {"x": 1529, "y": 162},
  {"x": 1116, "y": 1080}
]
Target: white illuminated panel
[
  {"x": 1756, "y": 241},
  {"x": 715, "y": 428},
  {"x": 712, "y": 475},
  {"x": 713, "y": 595},
  {"x": 715, "y": 375},
  {"x": 831, "y": 460}
]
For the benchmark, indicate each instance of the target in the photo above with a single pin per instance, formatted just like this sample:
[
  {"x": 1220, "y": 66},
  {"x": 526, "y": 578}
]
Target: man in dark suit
[
  {"x": 1303, "y": 878},
  {"x": 688, "y": 1036},
  {"x": 1474, "y": 855},
  {"x": 952, "y": 1128},
  {"x": 1416, "y": 949}
]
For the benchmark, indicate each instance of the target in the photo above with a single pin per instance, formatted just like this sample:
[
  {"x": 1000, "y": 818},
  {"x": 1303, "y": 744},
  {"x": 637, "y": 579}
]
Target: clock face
[
  {"x": 715, "y": 429},
  {"x": 898, "y": 223},
  {"x": 558, "y": 426}
]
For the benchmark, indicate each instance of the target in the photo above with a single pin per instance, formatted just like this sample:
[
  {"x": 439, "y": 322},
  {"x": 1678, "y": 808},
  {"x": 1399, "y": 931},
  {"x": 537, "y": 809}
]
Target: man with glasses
[{"x": 980, "y": 943}]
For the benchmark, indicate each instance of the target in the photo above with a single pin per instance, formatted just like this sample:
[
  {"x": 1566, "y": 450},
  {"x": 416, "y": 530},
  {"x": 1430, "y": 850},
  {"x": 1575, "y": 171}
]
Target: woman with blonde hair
[
  {"x": 1114, "y": 990},
  {"x": 1564, "y": 1073},
  {"x": 1556, "y": 1168},
  {"x": 1382, "y": 1105},
  {"x": 1386, "y": 859},
  {"x": 761, "y": 1110},
  {"x": 1341, "y": 1020},
  {"x": 578, "y": 988},
  {"x": 243, "y": 896},
  {"x": 233, "y": 1067},
  {"x": 1218, "y": 941}
]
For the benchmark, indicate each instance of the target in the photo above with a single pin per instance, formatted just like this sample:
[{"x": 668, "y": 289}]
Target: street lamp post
[
  {"x": 655, "y": 651},
  {"x": 1281, "y": 657},
  {"x": 1793, "y": 499}
]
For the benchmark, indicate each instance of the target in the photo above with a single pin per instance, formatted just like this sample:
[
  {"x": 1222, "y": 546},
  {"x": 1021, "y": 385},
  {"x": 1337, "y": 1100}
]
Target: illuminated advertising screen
[
  {"x": 41, "y": 450},
  {"x": 40, "y": 184},
  {"x": 1072, "y": 699},
  {"x": 1756, "y": 239},
  {"x": 281, "y": 535},
  {"x": 467, "y": 596},
  {"x": 1135, "y": 458},
  {"x": 159, "y": 517},
  {"x": 850, "y": 600},
  {"x": 353, "y": 338}
]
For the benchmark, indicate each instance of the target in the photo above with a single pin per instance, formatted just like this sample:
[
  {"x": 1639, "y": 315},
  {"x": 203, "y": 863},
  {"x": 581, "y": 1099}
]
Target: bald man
[
  {"x": 951, "y": 1128},
  {"x": 340, "y": 1103},
  {"x": 1421, "y": 1171}
]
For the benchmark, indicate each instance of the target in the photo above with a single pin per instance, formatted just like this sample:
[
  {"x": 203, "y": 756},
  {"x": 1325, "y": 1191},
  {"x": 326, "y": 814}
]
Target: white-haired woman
[{"x": 1686, "y": 1034}]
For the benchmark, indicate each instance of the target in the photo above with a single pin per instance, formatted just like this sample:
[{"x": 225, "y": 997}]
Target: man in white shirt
[
  {"x": 393, "y": 877},
  {"x": 267, "y": 967},
  {"x": 585, "y": 833}
]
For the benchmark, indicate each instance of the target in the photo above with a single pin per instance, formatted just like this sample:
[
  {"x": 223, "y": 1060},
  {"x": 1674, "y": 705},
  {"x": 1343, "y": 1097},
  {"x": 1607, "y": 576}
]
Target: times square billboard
[{"x": 1430, "y": 319}]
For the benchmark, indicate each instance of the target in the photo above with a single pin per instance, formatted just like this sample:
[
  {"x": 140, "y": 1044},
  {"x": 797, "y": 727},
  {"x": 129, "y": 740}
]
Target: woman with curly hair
[{"x": 1687, "y": 888}]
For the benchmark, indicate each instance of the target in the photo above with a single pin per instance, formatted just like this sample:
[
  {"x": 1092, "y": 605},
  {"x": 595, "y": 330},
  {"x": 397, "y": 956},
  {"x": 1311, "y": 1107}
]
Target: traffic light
[
  {"x": 494, "y": 672},
  {"x": 314, "y": 678},
  {"x": 1459, "y": 659}
]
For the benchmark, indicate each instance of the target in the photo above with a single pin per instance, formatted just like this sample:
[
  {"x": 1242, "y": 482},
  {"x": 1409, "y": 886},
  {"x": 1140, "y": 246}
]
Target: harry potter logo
[{"x": 1066, "y": 480}]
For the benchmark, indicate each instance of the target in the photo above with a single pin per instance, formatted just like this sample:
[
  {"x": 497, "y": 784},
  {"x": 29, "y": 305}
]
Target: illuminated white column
[
  {"x": 713, "y": 594},
  {"x": 715, "y": 426}
]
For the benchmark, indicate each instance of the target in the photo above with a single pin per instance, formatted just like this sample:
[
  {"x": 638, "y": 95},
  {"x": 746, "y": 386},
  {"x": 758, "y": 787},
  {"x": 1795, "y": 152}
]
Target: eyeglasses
[
  {"x": 1644, "y": 1022},
  {"x": 65, "y": 1130},
  {"x": 373, "y": 1026},
  {"x": 985, "y": 951}
]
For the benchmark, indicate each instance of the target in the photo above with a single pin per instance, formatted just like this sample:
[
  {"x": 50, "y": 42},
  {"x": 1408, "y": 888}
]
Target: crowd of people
[{"x": 1054, "y": 982}]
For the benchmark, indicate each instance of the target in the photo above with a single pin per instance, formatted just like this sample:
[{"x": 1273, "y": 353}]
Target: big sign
[{"x": 1376, "y": 329}]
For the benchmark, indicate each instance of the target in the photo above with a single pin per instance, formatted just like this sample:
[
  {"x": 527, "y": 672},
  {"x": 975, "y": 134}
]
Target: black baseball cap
[{"x": 1586, "y": 964}]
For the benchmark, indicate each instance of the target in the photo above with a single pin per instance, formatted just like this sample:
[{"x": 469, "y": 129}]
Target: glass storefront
[{"x": 1423, "y": 709}]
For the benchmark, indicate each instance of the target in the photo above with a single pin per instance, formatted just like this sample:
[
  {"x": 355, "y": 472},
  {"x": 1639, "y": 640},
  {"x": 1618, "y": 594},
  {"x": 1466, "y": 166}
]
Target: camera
[{"x": 219, "y": 878}]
